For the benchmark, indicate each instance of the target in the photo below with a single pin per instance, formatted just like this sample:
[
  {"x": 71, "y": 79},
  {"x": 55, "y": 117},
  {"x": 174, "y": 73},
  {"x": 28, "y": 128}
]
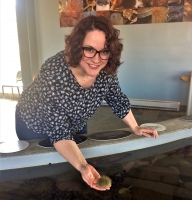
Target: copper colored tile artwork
[{"x": 124, "y": 12}]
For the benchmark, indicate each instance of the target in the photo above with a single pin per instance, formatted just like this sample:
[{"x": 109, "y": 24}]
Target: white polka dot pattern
[{"x": 55, "y": 104}]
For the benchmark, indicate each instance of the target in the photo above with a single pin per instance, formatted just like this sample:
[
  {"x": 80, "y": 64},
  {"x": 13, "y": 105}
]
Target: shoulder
[
  {"x": 55, "y": 63},
  {"x": 57, "y": 58},
  {"x": 103, "y": 75},
  {"x": 107, "y": 78}
]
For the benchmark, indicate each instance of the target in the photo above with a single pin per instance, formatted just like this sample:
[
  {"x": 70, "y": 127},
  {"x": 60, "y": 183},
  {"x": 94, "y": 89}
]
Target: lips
[{"x": 93, "y": 66}]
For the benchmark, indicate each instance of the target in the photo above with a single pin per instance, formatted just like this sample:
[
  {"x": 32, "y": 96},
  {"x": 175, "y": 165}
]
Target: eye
[
  {"x": 89, "y": 49},
  {"x": 105, "y": 52}
]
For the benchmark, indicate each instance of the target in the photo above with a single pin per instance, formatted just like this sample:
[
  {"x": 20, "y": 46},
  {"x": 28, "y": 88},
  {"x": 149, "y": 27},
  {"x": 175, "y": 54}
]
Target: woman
[{"x": 71, "y": 86}]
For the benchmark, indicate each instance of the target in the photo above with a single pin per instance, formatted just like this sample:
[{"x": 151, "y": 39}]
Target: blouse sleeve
[{"x": 118, "y": 101}]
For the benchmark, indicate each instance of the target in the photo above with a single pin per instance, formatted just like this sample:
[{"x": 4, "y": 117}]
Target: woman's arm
[
  {"x": 71, "y": 152},
  {"x": 129, "y": 119}
]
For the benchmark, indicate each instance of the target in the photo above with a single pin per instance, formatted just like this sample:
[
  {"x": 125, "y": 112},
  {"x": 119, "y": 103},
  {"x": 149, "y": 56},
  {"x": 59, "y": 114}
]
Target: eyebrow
[{"x": 96, "y": 49}]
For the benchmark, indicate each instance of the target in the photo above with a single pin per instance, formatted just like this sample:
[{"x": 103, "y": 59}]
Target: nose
[{"x": 96, "y": 58}]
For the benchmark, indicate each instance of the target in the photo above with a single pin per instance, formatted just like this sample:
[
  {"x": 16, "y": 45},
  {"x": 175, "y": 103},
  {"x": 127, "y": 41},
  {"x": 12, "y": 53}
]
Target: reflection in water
[{"x": 162, "y": 176}]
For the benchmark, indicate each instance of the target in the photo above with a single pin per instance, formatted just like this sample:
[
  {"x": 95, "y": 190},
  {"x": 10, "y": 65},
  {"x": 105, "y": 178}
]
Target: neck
[
  {"x": 79, "y": 73},
  {"x": 84, "y": 79}
]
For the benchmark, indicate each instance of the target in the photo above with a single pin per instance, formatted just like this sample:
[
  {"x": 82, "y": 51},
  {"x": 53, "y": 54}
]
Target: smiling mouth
[{"x": 93, "y": 66}]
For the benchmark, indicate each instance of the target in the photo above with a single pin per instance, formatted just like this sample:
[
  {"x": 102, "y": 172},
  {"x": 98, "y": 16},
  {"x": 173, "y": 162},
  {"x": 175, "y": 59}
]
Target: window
[{"x": 9, "y": 53}]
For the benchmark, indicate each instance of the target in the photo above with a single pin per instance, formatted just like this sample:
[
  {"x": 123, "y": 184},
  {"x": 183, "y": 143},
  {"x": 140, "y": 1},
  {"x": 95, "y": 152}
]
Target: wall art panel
[{"x": 126, "y": 12}]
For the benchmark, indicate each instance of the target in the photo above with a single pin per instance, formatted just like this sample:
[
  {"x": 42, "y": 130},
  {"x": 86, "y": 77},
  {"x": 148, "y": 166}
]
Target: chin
[{"x": 93, "y": 75}]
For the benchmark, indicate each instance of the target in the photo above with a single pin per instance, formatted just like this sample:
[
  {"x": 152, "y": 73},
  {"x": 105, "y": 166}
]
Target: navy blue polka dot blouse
[{"x": 55, "y": 104}]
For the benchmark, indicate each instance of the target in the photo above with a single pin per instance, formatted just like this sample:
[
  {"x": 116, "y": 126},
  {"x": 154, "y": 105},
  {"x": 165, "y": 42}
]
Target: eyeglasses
[{"x": 90, "y": 52}]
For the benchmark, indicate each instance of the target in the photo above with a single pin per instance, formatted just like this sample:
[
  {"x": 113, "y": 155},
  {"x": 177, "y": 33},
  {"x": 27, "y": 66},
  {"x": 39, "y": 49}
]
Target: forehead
[{"x": 95, "y": 38}]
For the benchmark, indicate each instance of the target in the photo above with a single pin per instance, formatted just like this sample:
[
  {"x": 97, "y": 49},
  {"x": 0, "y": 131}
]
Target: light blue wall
[{"x": 154, "y": 55}]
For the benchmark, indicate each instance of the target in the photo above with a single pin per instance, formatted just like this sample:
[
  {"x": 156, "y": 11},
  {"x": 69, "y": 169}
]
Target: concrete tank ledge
[{"x": 34, "y": 155}]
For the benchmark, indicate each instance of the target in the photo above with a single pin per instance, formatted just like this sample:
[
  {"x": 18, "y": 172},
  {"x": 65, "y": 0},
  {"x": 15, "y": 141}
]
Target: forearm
[
  {"x": 71, "y": 152},
  {"x": 129, "y": 119}
]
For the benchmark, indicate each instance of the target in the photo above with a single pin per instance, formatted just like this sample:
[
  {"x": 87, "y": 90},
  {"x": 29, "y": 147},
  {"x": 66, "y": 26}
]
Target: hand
[
  {"x": 90, "y": 176},
  {"x": 144, "y": 131}
]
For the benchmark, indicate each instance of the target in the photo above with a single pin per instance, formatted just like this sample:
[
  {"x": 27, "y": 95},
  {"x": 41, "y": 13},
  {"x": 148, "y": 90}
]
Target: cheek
[{"x": 84, "y": 59}]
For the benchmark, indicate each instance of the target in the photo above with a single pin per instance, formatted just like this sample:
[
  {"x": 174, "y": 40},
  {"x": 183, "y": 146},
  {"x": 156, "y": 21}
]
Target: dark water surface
[{"x": 158, "y": 173}]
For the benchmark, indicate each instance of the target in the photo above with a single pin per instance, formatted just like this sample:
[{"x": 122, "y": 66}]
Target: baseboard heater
[{"x": 153, "y": 104}]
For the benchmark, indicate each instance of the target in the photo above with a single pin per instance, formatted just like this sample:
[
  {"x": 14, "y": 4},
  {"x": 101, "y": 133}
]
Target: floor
[{"x": 102, "y": 120}]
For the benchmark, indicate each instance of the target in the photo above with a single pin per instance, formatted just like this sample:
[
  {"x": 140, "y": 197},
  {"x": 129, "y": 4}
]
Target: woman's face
[{"x": 92, "y": 66}]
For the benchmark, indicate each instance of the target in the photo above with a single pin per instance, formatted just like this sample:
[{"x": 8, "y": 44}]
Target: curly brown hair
[{"x": 74, "y": 41}]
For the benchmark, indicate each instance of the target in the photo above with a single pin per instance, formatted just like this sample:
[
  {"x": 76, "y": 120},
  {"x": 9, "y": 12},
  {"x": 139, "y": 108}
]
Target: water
[{"x": 158, "y": 173}]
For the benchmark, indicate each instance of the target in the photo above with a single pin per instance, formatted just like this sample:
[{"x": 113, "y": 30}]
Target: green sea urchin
[{"x": 104, "y": 182}]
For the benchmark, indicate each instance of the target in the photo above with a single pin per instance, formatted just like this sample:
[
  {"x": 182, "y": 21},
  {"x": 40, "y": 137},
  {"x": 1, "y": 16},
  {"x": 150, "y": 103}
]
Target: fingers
[
  {"x": 154, "y": 133},
  {"x": 148, "y": 132},
  {"x": 100, "y": 189},
  {"x": 92, "y": 184},
  {"x": 90, "y": 176}
]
